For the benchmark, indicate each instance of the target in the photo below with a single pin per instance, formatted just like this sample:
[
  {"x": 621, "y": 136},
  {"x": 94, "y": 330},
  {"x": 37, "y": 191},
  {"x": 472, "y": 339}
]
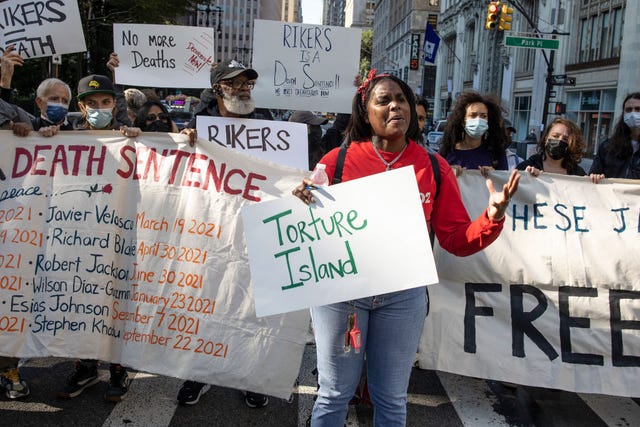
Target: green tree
[
  {"x": 366, "y": 46},
  {"x": 98, "y": 17}
]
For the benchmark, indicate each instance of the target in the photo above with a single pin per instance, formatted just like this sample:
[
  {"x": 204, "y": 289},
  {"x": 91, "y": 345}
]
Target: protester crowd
[{"x": 384, "y": 131}]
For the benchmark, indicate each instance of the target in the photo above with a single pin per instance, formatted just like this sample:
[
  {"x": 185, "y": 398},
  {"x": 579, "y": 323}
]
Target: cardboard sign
[
  {"x": 305, "y": 67},
  {"x": 41, "y": 28},
  {"x": 352, "y": 243},
  {"x": 163, "y": 55},
  {"x": 285, "y": 143},
  {"x": 131, "y": 251}
]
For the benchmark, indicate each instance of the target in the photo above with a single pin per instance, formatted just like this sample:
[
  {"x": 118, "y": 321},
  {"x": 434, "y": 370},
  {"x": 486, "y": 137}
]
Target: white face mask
[
  {"x": 632, "y": 119},
  {"x": 476, "y": 127}
]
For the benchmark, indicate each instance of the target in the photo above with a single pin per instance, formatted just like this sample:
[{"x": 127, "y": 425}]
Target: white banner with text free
[
  {"x": 132, "y": 251},
  {"x": 555, "y": 300}
]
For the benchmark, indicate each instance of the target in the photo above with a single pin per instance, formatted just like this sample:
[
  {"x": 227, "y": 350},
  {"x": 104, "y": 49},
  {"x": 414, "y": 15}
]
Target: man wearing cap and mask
[
  {"x": 231, "y": 84},
  {"x": 314, "y": 134}
]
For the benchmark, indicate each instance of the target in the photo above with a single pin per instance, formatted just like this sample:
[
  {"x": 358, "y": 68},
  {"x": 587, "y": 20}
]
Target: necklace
[{"x": 388, "y": 164}]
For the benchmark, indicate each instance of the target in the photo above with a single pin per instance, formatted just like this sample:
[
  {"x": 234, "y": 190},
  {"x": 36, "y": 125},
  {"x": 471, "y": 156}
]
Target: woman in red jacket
[{"x": 382, "y": 134}]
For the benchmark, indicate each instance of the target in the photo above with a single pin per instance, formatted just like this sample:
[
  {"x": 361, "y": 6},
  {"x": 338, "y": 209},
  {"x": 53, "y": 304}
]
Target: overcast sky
[{"x": 312, "y": 11}]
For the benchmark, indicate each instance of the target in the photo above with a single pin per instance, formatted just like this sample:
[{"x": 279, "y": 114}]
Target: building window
[
  {"x": 593, "y": 110},
  {"x": 600, "y": 35},
  {"x": 471, "y": 58},
  {"x": 521, "y": 114},
  {"x": 450, "y": 59},
  {"x": 525, "y": 59}
]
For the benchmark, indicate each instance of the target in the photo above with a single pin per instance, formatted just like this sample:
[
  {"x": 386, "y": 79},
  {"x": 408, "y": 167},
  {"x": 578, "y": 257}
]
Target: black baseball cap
[
  {"x": 229, "y": 69},
  {"x": 95, "y": 83},
  {"x": 307, "y": 117}
]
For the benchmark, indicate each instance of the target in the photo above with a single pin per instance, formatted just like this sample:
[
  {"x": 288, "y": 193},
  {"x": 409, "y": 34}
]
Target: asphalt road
[{"x": 435, "y": 399}]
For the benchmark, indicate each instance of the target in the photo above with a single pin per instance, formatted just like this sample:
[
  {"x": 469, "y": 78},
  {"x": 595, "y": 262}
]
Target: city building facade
[
  {"x": 333, "y": 12},
  {"x": 398, "y": 36},
  {"x": 233, "y": 23},
  {"x": 359, "y": 13},
  {"x": 593, "y": 68}
]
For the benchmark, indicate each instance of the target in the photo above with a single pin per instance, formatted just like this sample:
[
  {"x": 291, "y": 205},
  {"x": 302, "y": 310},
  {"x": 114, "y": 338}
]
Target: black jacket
[
  {"x": 615, "y": 167},
  {"x": 536, "y": 162}
]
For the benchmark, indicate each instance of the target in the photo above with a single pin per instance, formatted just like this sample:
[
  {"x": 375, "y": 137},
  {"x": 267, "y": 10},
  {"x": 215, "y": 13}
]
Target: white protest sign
[
  {"x": 163, "y": 55},
  {"x": 555, "y": 301},
  {"x": 41, "y": 28},
  {"x": 285, "y": 143},
  {"x": 347, "y": 245},
  {"x": 132, "y": 251},
  {"x": 304, "y": 66}
]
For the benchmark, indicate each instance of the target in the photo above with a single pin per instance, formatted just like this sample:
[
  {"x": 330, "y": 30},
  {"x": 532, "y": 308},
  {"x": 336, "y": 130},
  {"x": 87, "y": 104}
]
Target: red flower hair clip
[{"x": 362, "y": 90}]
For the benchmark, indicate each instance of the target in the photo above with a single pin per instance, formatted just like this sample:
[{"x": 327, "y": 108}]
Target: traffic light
[
  {"x": 505, "y": 18},
  {"x": 493, "y": 10},
  {"x": 561, "y": 108}
]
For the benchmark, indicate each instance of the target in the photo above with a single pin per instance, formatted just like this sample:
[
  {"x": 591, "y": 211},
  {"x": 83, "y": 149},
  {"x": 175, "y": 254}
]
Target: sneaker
[
  {"x": 255, "y": 400},
  {"x": 85, "y": 375},
  {"x": 191, "y": 391},
  {"x": 14, "y": 386},
  {"x": 118, "y": 383}
]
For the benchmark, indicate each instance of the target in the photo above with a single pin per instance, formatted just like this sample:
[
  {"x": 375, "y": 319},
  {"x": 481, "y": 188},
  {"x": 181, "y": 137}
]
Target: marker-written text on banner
[
  {"x": 573, "y": 218},
  {"x": 129, "y": 251},
  {"x": 186, "y": 168}
]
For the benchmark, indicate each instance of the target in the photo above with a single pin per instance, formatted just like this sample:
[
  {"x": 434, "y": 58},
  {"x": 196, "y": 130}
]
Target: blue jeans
[{"x": 391, "y": 326}]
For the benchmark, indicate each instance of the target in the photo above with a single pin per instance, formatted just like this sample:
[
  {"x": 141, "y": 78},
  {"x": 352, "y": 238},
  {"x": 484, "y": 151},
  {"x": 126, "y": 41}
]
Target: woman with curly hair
[
  {"x": 475, "y": 137},
  {"x": 618, "y": 156},
  {"x": 560, "y": 149}
]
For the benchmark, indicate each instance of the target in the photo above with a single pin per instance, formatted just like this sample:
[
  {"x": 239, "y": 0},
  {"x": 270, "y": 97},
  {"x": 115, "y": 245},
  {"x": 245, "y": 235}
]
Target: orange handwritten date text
[
  {"x": 19, "y": 213},
  {"x": 192, "y": 304},
  {"x": 198, "y": 228},
  {"x": 18, "y": 236}
]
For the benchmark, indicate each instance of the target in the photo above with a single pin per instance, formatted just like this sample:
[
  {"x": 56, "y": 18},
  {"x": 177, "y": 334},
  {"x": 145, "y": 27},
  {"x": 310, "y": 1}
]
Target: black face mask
[
  {"x": 158, "y": 126},
  {"x": 556, "y": 149}
]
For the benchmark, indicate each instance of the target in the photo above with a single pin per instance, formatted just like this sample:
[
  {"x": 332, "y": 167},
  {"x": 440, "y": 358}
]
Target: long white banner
[
  {"x": 132, "y": 251},
  {"x": 555, "y": 301}
]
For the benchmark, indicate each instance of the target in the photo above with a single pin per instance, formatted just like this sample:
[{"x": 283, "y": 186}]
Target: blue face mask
[
  {"x": 99, "y": 118},
  {"x": 476, "y": 127},
  {"x": 56, "y": 112}
]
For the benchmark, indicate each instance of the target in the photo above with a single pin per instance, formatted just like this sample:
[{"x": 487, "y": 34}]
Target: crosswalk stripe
[
  {"x": 613, "y": 410},
  {"x": 469, "y": 397},
  {"x": 151, "y": 401}
]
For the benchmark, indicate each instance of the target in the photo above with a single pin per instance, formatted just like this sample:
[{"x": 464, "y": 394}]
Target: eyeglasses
[
  {"x": 237, "y": 84},
  {"x": 153, "y": 117}
]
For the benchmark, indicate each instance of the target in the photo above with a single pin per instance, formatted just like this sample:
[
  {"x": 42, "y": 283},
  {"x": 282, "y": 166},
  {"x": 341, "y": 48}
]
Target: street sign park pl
[{"x": 532, "y": 42}]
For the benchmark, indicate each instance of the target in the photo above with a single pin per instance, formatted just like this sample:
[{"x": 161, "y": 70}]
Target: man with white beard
[{"x": 231, "y": 83}]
